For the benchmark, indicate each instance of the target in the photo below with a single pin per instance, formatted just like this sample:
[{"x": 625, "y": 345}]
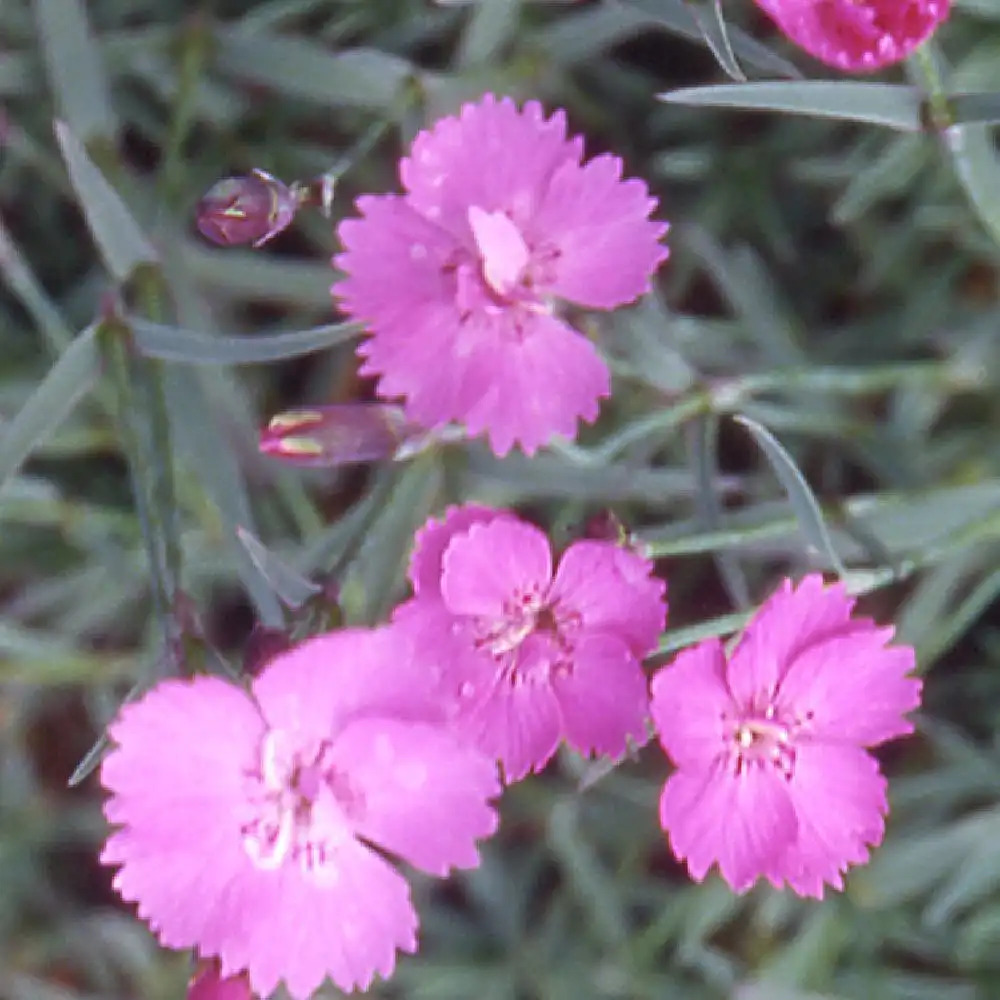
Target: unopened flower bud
[
  {"x": 606, "y": 526},
  {"x": 248, "y": 209},
  {"x": 263, "y": 645},
  {"x": 341, "y": 434},
  {"x": 207, "y": 984}
]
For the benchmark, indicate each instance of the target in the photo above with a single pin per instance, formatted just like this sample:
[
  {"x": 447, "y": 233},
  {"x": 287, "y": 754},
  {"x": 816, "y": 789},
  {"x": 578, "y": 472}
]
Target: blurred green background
[{"x": 835, "y": 282}]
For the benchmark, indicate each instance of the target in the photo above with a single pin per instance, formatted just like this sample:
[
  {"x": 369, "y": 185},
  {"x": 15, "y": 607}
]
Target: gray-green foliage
[{"x": 813, "y": 385}]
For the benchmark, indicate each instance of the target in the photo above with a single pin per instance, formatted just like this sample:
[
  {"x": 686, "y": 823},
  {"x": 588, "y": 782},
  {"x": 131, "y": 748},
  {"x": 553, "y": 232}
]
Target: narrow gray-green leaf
[
  {"x": 971, "y": 109},
  {"x": 174, "y": 344},
  {"x": 90, "y": 762},
  {"x": 803, "y": 501},
  {"x": 291, "y": 586},
  {"x": 594, "y": 886},
  {"x": 960, "y": 621},
  {"x": 93, "y": 757},
  {"x": 679, "y": 638},
  {"x": 21, "y": 280},
  {"x": 118, "y": 236},
  {"x": 373, "y": 580},
  {"x": 358, "y": 78},
  {"x": 675, "y": 17},
  {"x": 713, "y": 29},
  {"x": 898, "y": 164},
  {"x": 702, "y": 444},
  {"x": 65, "y": 384},
  {"x": 489, "y": 29},
  {"x": 975, "y": 159},
  {"x": 971, "y": 146},
  {"x": 246, "y": 275},
  {"x": 894, "y": 106},
  {"x": 549, "y": 475},
  {"x": 73, "y": 64},
  {"x": 214, "y": 462}
]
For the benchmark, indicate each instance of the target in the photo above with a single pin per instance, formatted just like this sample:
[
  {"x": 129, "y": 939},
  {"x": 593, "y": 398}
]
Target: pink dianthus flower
[
  {"x": 857, "y": 35},
  {"x": 772, "y": 776},
  {"x": 252, "y": 825},
  {"x": 528, "y": 655},
  {"x": 459, "y": 278}
]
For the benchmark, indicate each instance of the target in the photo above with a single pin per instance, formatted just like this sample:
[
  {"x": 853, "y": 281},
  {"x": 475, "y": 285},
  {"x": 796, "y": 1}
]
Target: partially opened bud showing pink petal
[
  {"x": 251, "y": 209},
  {"x": 263, "y": 645},
  {"x": 340, "y": 434},
  {"x": 857, "y": 35},
  {"x": 209, "y": 984}
]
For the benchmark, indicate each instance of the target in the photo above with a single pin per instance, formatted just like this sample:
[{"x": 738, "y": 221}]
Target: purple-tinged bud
[
  {"x": 331, "y": 590},
  {"x": 263, "y": 645},
  {"x": 251, "y": 209},
  {"x": 207, "y": 984},
  {"x": 336, "y": 435},
  {"x": 606, "y": 526}
]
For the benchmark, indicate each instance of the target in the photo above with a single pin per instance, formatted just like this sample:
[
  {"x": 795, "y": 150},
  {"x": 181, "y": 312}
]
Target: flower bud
[
  {"x": 336, "y": 435},
  {"x": 263, "y": 645},
  {"x": 606, "y": 526},
  {"x": 248, "y": 209},
  {"x": 207, "y": 984}
]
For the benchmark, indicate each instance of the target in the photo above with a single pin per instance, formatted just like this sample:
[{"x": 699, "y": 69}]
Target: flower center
[
  {"x": 301, "y": 807},
  {"x": 519, "y": 619},
  {"x": 762, "y": 739},
  {"x": 528, "y": 613},
  {"x": 502, "y": 250}
]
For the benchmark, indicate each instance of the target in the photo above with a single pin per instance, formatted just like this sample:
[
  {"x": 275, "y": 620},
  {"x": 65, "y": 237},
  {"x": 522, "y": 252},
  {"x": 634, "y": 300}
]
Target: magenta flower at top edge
[
  {"x": 529, "y": 653},
  {"x": 857, "y": 36},
  {"x": 252, "y": 826},
  {"x": 460, "y": 278},
  {"x": 772, "y": 776}
]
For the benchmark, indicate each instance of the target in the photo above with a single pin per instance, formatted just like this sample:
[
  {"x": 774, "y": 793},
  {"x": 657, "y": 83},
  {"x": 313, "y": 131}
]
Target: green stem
[
  {"x": 161, "y": 467},
  {"x": 320, "y": 190},
  {"x": 930, "y": 76},
  {"x": 195, "y": 42},
  {"x": 149, "y": 463},
  {"x": 726, "y": 396}
]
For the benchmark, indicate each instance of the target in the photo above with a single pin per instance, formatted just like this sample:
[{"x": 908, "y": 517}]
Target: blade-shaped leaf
[
  {"x": 713, "y": 28},
  {"x": 675, "y": 16},
  {"x": 678, "y": 638},
  {"x": 372, "y": 581},
  {"x": 894, "y": 106},
  {"x": 703, "y": 444},
  {"x": 116, "y": 233},
  {"x": 549, "y": 475},
  {"x": 489, "y": 29},
  {"x": 21, "y": 280},
  {"x": 970, "y": 109},
  {"x": 174, "y": 344},
  {"x": 65, "y": 384},
  {"x": 804, "y": 503},
  {"x": 971, "y": 146},
  {"x": 975, "y": 159},
  {"x": 213, "y": 460},
  {"x": 359, "y": 78},
  {"x": 90, "y": 761},
  {"x": 291, "y": 586},
  {"x": 73, "y": 63}
]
